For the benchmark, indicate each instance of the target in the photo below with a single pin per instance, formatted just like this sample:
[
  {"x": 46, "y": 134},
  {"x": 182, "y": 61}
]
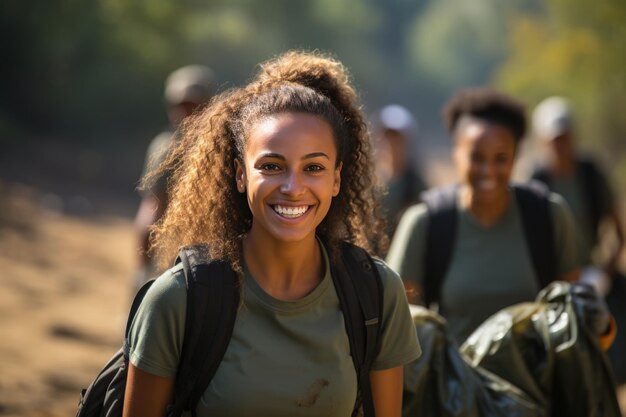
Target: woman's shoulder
[
  {"x": 557, "y": 205},
  {"x": 416, "y": 212},
  {"x": 168, "y": 289},
  {"x": 415, "y": 217},
  {"x": 388, "y": 276}
]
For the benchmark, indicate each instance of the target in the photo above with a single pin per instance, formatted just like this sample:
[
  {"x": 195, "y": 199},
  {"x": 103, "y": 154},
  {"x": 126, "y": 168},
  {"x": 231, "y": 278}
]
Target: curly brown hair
[
  {"x": 489, "y": 105},
  {"x": 205, "y": 206}
]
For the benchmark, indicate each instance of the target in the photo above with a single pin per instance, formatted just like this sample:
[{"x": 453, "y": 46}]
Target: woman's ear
[
  {"x": 240, "y": 176},
  {"x": 337, "y": 180}
]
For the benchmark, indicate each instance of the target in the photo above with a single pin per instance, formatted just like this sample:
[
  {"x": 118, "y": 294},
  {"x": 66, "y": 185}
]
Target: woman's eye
[
  {"x": 270, "y": 167},
  {"x": 314, "y": 168}
]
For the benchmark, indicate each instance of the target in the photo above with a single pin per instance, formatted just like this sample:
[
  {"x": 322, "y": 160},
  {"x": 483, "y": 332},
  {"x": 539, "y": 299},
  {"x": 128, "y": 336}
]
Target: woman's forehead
[
  {"x": 291, "y": 130},
  {"x": 475, "y": 131}
]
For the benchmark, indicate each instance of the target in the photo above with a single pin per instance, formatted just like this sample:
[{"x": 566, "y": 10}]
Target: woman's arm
[
  {"x": 413, "y": 292},
  {"x": 387, "y": 391},
  {"x": 147, "y": 395},
  {"x": 406, "y": 253}
]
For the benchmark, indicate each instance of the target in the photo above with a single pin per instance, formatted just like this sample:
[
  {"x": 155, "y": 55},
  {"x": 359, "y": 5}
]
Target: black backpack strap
[
  {"x": 360, "y": 292},
  {"x": 590, "y": 179},
  {"x": 542, "y": 174},
  {"x": 212, "y": 303},
  {"x": 534, "y": 208},
  {"x": 440, "y": 239}
]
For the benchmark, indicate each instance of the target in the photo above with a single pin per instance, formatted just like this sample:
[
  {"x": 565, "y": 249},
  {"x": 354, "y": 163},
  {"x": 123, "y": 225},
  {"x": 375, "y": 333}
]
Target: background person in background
[
  {"x": 587, "y": 191},
  {"x": 477, "y": 247},
  {"x": 186, "y": 89},
  {"x": 395, "y": 136},
  {"x": 579, "y": 180}
]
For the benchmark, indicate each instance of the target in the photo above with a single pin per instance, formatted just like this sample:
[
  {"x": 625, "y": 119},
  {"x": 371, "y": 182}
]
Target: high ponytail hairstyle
[{"x": 205, "y": 206}]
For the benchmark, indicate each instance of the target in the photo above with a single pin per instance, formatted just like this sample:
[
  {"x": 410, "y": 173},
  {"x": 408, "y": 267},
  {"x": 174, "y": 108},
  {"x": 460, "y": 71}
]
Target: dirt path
[{"x": 62, "y": 305}]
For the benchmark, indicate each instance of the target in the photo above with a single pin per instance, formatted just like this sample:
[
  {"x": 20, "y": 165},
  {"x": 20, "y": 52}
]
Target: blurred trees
[
  {"x": 78, "y": 66},
  {"x": 88, "y": 69},
  {"x": 576, "y": 49}
]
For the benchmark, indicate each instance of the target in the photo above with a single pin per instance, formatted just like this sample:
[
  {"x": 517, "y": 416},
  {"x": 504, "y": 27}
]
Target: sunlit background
[{"x": 81, "y": 96}]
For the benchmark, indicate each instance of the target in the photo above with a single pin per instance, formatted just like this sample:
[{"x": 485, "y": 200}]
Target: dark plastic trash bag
[
  {"x": 549, "y": 351},
  {"x": 441, "y": 383}
]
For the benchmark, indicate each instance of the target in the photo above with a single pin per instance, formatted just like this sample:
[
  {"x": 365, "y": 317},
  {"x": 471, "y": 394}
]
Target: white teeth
[
  {"x": 291, "y": 212},
  {"x": 487, "y": 184}
]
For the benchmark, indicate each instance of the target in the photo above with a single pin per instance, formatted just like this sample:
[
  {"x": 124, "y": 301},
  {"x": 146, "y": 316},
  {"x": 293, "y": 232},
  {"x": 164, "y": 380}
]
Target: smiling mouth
[
  {"x": 486, "y": 185},
  {"x": 290, "y": 212}
]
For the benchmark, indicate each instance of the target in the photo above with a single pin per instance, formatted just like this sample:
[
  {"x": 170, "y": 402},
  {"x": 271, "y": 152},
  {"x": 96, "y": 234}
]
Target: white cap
[
  {"x": 396, "y": 117},
  {"x": 552, "y": 117},
  {"x": 193, "y": 83}
]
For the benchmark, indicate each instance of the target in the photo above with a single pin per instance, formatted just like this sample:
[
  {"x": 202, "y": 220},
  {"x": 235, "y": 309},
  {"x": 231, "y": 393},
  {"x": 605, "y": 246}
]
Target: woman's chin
[{"x": 489, "y": 195}]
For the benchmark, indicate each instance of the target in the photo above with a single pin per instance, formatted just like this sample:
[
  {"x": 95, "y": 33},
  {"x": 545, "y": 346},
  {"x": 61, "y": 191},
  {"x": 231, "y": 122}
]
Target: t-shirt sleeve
[
  {"x": 157, "y": 331},
  {"x": 406, "y": 253},
  {"x": 399, "y": 344},
  {"x": 565, "y": 237}
]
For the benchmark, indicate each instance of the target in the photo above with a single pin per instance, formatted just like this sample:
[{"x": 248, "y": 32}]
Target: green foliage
[
  {"x": 95, "y": 68},
  {"x": 576, "y": 49},
  {"x": 79, "y": 67},
  {"x": 458, "y": 43}
]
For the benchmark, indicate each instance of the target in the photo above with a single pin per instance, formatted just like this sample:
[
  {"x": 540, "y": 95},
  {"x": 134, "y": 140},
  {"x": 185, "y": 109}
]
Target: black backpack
[
  {"x": 209, "y": 325},
  {"x": 441, "y": 203},
  {"x": 590, "y": 179}
]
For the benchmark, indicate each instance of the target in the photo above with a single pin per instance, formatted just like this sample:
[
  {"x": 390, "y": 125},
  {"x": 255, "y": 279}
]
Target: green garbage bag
[
  {"x": 549, "y": 349},
  {"x": 442, "y": 383}
]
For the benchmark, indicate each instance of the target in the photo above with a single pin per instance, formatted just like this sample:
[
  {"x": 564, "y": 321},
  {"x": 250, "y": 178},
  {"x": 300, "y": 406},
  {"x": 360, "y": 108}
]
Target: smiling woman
[
  {"x": 276, "y": 178},
  {"x": 500, "y": 242}
]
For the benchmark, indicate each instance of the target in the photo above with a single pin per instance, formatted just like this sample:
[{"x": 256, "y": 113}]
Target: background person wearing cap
[
  {"x": 578, "y": 179},
  {"x": 186, "y": 89},
  {"x": 587, "y": 191},
  {"x": 395, "y": 134}
]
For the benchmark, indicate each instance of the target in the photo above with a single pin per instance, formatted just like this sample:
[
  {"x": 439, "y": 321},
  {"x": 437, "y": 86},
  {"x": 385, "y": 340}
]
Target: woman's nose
[
  {"x": 486, "y": 168},
  {"x": 292, "y": 184}
]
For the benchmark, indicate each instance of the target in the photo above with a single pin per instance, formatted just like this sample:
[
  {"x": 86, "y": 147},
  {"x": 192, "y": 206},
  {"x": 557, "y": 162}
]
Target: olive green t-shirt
[
  {"x": 490, "y": 267},
  {"x": 285, "y": 358}
]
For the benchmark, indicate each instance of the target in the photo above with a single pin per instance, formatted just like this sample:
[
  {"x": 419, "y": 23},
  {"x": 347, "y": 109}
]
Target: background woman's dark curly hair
[
  {"x": 489, "y": 105},
  {"x": 205, "y": 205}
]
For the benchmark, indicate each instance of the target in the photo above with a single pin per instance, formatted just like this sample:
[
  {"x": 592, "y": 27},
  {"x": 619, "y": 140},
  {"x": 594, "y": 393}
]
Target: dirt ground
[
  {"x": 64, "y": 296},
  {"x": 65, "y": 292}
]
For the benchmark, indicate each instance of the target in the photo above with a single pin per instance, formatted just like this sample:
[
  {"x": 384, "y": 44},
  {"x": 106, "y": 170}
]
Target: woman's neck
[
  {"x": 285, "y": 270},
  {"x": 486, "y": 213}
]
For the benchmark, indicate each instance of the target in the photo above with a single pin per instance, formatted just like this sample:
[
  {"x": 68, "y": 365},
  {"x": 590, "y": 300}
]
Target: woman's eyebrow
[
  {"x": 315, "y": 155},
  {"x": 307, "y": 156},
  {"x": 273, "y": 155}
]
